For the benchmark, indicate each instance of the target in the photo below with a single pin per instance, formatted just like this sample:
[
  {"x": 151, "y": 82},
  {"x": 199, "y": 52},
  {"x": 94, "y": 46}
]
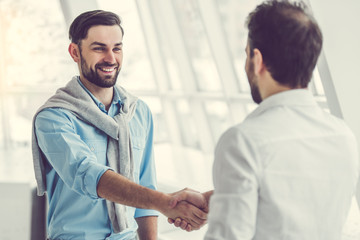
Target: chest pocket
[
  {"x": 138, "y": 136},
  {"x": 138, "y": 142}
]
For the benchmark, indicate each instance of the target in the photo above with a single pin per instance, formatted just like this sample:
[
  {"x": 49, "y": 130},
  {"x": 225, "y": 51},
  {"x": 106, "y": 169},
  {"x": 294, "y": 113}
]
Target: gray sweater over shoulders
[{"x": 74, "y": 98}]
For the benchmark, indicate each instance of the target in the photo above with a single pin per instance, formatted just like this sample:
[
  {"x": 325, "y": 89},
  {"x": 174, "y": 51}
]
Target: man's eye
[
  {"x": 117, "y": 49},
  {"x": 99, "y": 49}
]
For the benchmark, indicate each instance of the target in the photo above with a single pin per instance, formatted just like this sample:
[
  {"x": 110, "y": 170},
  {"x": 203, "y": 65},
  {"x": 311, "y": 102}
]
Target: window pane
[
  {"x": 160, "y": 127},
  {"x": 3, "y": 123},
  {"x": 197, "y": 44},
  {"x": 35, "y": 60},
  {"x": 189, "y": 133},
  {"x": 20, "y": 119},
  {"x": 233, "y": 14},
  {"x": 36, "y": 43},
  {"x": 219, "y": 117},
  {"x": 173, "y": 68}
]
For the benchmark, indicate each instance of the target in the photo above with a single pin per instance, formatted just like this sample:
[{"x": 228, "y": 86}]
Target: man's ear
[
  {"x": 259, "y": 66},
  {"x": 74, "y": 52}
]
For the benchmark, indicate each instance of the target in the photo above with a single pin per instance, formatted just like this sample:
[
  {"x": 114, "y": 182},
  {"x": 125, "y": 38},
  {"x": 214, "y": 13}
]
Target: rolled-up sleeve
[
  {"x": 67, "y": 153},
  {"x": 233, "y": 206}
]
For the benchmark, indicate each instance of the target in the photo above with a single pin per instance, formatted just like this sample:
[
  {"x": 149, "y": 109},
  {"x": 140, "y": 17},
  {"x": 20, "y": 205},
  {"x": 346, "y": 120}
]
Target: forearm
[
  {"x": 116, "y": 188},
  {"x": 147, "y": 227}
]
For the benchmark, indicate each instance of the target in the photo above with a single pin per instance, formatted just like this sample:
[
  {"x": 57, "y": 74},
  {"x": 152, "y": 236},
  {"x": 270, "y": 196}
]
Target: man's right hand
[
  {"x": 200, "y": 200},
  {"x": 191, "y": 213}
]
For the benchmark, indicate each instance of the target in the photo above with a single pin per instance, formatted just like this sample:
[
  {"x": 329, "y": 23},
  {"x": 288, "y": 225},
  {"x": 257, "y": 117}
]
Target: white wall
[{"x": 339, "y": 21}]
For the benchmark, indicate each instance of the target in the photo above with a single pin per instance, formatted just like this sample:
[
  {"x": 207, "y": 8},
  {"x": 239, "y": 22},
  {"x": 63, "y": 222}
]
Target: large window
[{"x": 33, "y": 63}]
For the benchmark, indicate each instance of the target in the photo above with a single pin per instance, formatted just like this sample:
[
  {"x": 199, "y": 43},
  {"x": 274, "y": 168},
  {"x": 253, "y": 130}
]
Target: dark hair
[
  {"x": 288, "y": 38},
  {"x": 82, "y": 23}
]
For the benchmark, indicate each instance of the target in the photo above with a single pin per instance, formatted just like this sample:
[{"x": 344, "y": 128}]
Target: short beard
[
  {"x": 92, "y": 76},
  {"x": 255, "y": 93}
]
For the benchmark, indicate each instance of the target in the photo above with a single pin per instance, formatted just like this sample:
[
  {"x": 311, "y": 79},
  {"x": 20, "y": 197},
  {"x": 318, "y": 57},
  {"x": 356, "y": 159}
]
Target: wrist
[{"x": 161, "y": 202}]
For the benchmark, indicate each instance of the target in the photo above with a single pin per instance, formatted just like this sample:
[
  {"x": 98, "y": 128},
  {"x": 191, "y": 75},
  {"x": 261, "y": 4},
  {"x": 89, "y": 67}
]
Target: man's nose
[{"x": 109, "y": 57}]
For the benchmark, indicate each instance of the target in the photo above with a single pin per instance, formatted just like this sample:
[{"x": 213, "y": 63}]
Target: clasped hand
[{"x": 195, "y": 207}]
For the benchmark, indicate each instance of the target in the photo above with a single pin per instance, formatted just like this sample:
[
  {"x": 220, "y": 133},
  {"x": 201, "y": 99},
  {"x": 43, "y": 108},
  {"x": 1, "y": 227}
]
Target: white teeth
[{"x": 107, "y": 69}]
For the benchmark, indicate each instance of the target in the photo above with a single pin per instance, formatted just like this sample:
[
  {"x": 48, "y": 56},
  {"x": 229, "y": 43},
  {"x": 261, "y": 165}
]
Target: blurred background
[{"x": 184, "y": 58}]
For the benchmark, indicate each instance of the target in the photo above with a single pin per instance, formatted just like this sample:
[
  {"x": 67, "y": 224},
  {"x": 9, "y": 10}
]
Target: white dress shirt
[{"x": 289, "y": 171}]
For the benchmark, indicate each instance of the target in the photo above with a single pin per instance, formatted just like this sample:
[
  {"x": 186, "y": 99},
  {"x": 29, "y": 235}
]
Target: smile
[{"x": 107, "y": 70}]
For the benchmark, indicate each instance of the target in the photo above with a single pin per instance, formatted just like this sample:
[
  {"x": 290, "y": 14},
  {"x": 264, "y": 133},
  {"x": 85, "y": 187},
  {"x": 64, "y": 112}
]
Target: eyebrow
[{"x": 104, "y": 45}]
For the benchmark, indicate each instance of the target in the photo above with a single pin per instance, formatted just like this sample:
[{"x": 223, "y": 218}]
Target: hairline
[{"x": 87, "y": 32}]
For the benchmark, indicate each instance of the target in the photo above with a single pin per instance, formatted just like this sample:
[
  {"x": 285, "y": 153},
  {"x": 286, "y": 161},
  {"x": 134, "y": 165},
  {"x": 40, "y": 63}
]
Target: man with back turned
[{"x": 290, "y": 169}]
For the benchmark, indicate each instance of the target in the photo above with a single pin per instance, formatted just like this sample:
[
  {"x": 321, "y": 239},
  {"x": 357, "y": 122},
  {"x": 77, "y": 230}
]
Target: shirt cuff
[
  {"x": 92, "y": 177},
  {"x": 139, "y": 212}
]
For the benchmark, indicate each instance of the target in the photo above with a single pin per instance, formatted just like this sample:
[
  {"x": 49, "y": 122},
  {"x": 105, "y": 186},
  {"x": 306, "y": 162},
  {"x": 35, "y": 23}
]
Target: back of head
[
  {"x": 288, "y": 38},
  {"x": 80, "y": 26}
]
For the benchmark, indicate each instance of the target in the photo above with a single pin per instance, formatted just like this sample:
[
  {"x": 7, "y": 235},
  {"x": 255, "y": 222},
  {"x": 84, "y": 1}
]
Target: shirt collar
[
  {"x": 293, "y": 97},
  {"x": 116, "y": 97}
]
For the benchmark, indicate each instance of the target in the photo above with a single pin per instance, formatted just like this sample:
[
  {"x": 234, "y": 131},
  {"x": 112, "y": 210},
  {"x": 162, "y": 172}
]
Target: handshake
[{"x": 188, "y": 209}]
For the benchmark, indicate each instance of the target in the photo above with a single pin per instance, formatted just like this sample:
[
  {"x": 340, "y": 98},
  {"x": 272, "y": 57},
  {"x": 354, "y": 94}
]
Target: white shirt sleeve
[{"x": 233, "y": 206}]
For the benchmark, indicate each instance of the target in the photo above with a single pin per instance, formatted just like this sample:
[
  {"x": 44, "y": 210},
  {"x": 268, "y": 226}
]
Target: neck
[
  {"x": 104, "y": 95},
  {"x": 268, "y": 86},
  {"x": 274, "y": 90}
]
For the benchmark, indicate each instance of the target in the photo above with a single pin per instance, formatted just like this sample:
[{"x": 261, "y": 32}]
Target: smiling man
[
  {"x": 105, "y": 73},
  {"x": 93, "y": 146}
]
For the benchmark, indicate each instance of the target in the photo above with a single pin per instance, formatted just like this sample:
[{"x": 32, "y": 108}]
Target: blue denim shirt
[{"x": 76, "y": 159}]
